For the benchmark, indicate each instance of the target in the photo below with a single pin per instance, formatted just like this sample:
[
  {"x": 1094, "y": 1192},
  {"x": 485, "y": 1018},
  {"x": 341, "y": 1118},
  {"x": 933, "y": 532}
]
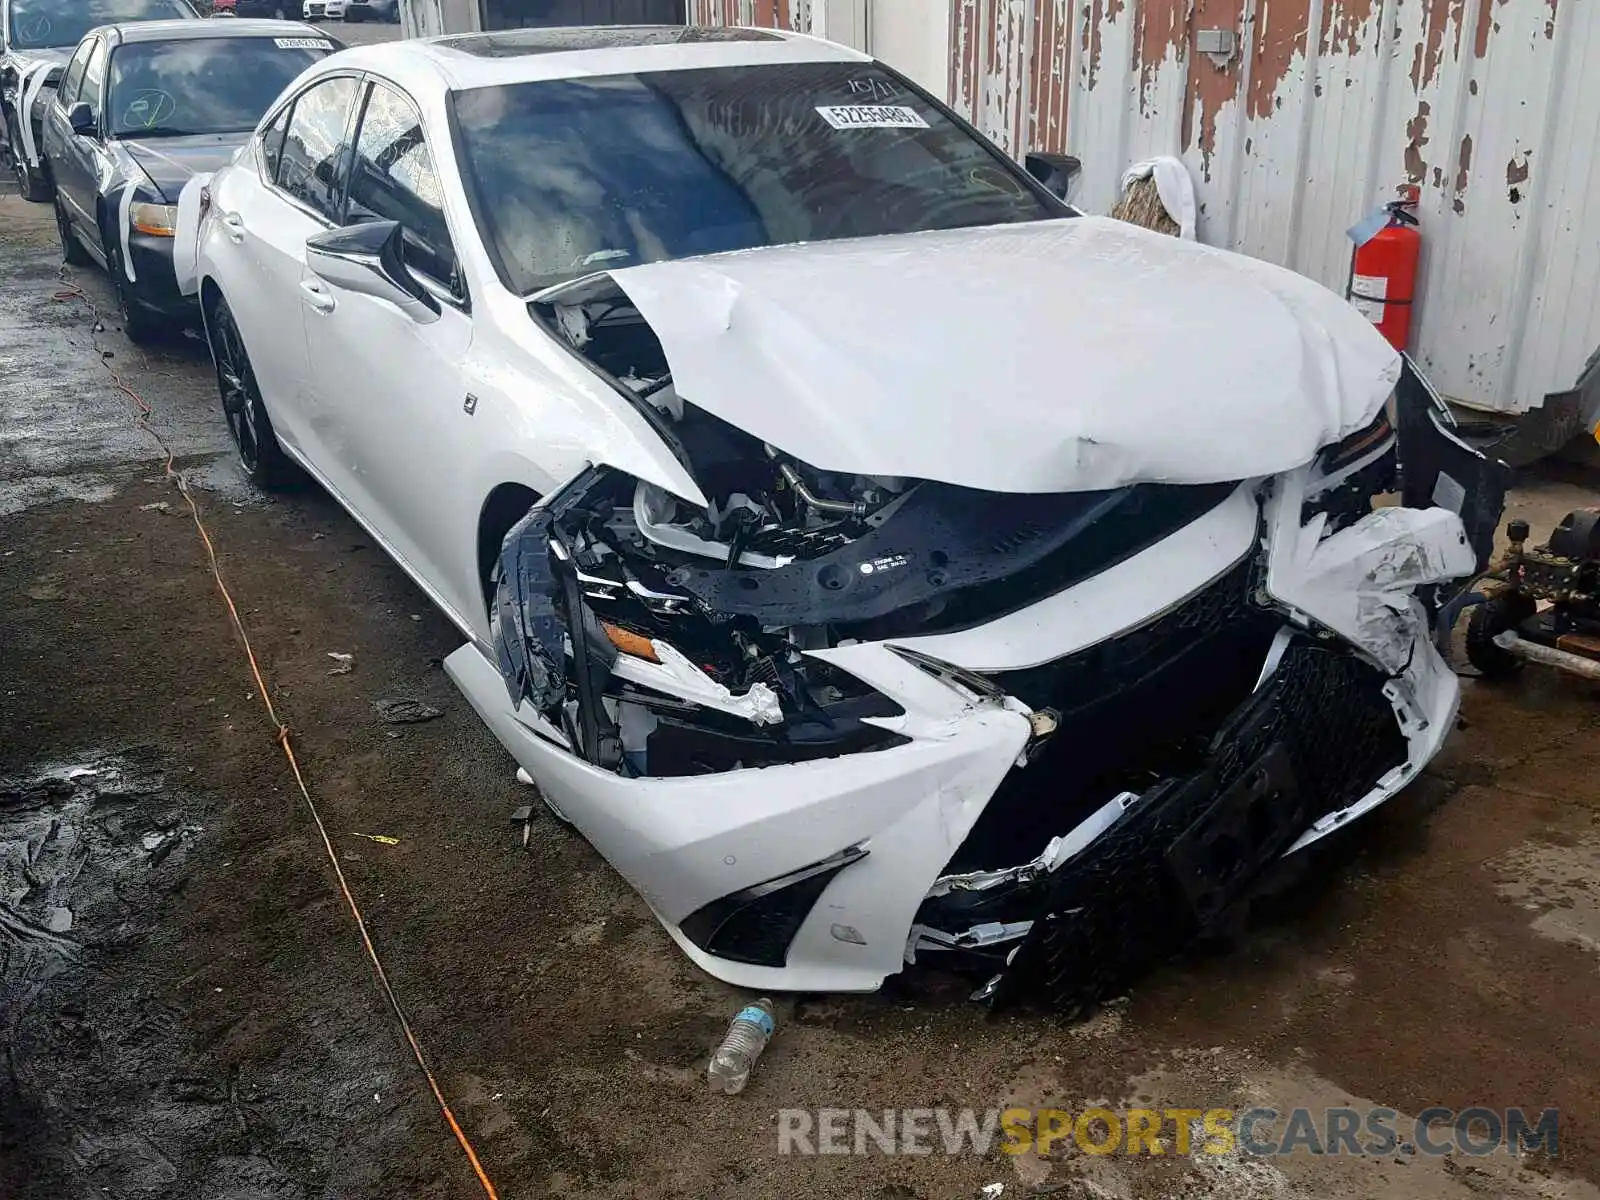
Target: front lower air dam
[{"x": 730, "y": 859}]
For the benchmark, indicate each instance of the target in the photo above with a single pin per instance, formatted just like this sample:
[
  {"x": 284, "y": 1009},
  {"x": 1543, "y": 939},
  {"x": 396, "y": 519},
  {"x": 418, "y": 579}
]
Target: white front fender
[
  {"x": 1361, "y": 582},
  {"x": 186, "y": 236}
]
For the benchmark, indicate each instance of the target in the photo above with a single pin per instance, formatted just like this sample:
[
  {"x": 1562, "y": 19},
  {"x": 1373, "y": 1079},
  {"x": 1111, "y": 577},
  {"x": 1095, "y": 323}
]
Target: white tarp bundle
[{"x": 1173, "y": 185}]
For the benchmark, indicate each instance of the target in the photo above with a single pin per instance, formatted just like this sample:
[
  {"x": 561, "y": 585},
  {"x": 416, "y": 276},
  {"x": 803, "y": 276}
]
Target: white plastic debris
[{"x": 342, "y": 663}]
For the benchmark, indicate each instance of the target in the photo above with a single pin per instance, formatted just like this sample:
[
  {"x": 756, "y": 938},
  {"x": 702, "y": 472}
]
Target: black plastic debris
[
  {"x": 406, "y": 711},
  {"x": 1196, "y": 845},
  {"x": 529, "y": 633}
]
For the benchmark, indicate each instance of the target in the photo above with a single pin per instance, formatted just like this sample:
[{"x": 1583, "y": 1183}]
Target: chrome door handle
[
  {"x": 318, "y": 296},
  {"x": 234, "y": 224}
]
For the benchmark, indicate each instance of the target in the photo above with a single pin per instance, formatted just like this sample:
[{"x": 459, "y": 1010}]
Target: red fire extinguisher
[{"x": 1383, "y": 267}]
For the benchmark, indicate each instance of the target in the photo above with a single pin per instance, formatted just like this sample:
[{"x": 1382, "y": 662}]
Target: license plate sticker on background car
[{"x": 871, "y": 116}]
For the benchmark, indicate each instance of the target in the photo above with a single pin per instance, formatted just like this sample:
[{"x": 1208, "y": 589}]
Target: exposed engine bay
[{"x": 713, "y": 610}]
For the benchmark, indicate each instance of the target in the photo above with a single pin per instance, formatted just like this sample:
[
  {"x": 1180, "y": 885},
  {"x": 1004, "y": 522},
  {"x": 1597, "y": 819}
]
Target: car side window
[
  {"x": 94, "y": 77},
  {"x": 393, "y": 178},
  {"x": 272, "y": 142},
  {"x": 314, "y": 161},
  {"x": 67, "y": 93}
]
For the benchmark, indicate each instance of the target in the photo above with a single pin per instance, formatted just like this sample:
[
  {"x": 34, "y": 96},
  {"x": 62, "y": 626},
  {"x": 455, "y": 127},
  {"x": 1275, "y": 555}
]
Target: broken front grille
[
  {"x": 1135, "y": 709},
  {"x": 1315, "y": 738}
]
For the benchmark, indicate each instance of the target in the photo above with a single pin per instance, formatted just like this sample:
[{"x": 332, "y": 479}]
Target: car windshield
[
  {"x": 37, "y": 24},
  {"x": 203, "y": 85},
  {"x": 572, "y": 176}
]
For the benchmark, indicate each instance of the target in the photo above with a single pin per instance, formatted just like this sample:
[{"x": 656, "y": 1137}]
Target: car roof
[
  {"x": 463, "y": 61},
  {"x": 204, "y": 27}
]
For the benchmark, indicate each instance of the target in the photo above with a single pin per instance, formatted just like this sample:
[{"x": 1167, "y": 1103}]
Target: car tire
[
  {"x": 31, "y": 184},
  {"x": 72, "y": 250},
  {"x": 139, "y": 324},
  {"x": 1488, "y": 621},
  {"x": 256, "y": 445}
]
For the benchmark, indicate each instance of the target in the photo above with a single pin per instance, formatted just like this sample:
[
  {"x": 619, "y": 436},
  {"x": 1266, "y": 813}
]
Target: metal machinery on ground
[{"x": 1542, "y": 603}]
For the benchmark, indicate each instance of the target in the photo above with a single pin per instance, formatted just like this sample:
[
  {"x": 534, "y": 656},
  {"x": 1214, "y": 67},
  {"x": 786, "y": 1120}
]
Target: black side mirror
[
  {"x": 369, "y": 259},
  {"x": 1058, "y": 172},
  {"x": 81, "y": 117}
]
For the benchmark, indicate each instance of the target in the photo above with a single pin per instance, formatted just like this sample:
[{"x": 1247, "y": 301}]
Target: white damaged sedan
[{"x": 874, "y": 558}]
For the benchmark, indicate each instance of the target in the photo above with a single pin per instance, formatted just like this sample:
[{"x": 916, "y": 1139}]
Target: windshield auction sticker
[
  {"x": 871, "y": 116},
  {"x": 302, "y": 43}
]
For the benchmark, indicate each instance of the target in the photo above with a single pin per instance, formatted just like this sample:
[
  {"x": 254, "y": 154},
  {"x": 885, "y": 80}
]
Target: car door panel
[
  {"x": 399, "y": 431},
  {"x": 66, "y": 148},
  {"x": 263, "y": 216}
]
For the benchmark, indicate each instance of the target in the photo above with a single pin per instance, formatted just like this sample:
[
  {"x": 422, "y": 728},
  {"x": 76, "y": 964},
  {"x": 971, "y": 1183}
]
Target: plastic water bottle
[{"x": 747, "y": 1037}]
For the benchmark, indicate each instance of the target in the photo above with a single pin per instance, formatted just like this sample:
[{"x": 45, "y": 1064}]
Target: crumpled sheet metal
[
  {"x": 1362, "y": 581},
  {"x": 1064, "y": 355}
]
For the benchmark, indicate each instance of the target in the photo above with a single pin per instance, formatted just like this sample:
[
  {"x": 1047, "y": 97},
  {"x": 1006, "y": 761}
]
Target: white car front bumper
[{"x": 816, "y": 876}]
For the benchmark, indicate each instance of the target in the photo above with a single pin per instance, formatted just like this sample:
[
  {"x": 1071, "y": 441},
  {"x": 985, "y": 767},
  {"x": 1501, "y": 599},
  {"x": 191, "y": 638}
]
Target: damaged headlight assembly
[{"x": 642, "y": 677}]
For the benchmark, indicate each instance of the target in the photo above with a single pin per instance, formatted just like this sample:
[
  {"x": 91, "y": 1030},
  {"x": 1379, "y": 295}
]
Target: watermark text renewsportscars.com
[{"x": 1261, "y": 1132}]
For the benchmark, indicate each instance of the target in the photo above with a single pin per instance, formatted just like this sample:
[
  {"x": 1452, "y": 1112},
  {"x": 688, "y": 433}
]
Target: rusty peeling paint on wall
[
  {"x": 1161, "y": 27},
  {"x": 964, "y": 54},
  {"x": 1344, "y": 24},
  {"x": 1439, "y": 16},
  {"x": 1090, "y": 50},
  {"x": 1550, "y": 21},
  {"x": 1210, "y": 87},
  {"x": 1280, "y": 39},
  {"x": 1416, "y": 139},
  {"x": 1459, "y": 202},
  {"x": 1047, "y": 116},
  {"x": 1486, "y": 25},
  {"x": 1517, "y": 172}
]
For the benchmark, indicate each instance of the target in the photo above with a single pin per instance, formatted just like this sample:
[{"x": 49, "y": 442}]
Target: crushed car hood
[{"x": 1066, "y": 355}]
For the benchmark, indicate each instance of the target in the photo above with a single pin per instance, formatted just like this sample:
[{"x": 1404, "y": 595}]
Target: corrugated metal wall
[
  {"x": 770, "y": 14},
  {"x": 1492, "y": 107}
]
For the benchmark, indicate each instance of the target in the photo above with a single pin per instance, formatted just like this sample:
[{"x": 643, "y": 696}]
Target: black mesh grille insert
[
  {"x": 1135, "y": 709},
  {"x": 1316, "y": 738}
]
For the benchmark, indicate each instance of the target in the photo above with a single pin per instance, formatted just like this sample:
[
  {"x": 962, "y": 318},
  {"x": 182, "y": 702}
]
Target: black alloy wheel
[
  {"x": 262, "y": 459},
  {"x": 72, "y": 251},
  {"x": 30, "y": 183}
]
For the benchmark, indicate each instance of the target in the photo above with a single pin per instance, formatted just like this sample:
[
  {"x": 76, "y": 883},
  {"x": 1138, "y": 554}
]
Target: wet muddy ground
[{"x": 186, "y": 1012}]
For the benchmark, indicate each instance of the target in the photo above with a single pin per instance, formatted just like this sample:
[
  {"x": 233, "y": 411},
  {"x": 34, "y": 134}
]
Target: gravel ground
[{"x": 186, "y": 1011}]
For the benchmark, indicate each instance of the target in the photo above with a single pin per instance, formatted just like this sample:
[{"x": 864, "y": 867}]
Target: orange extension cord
[{"x": 142, "y": 414}]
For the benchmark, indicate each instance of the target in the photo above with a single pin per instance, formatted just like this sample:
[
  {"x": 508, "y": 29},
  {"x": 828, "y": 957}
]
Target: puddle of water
[
  {"x": 36, "y": 490},
  {"x": 111, "y": 809},
  {"x": 106, "y": 1091},
  {"x": 1559, "y": 884}
]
